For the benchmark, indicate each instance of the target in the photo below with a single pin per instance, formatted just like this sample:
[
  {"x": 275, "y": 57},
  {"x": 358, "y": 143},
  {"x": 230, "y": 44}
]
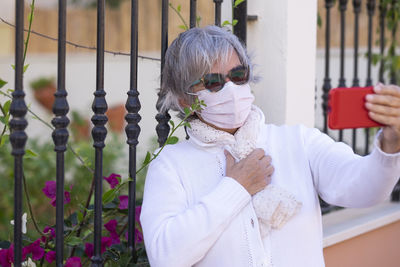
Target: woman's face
[{"x": 232, "y": 62}]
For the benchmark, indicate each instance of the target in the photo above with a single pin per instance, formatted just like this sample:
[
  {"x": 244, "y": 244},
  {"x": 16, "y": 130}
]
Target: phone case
[{"x": 347, "y": 110}]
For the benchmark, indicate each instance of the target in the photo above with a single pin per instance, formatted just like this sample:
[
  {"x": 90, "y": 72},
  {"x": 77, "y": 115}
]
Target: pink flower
[
  {"x": 112, "y": 180},
  {"x": 67, "y": 199},
  {"x": 73, "y": 262},
  {"x": 50, "y": 256},
  {"x": 49, "y": 230},
  {"x": 105, "y": 243},
  {"x": 123, "y": 202},
  {"x": 111, "y": 226},
  {"x": 7, "y": 256},
  {"x": 138, "y": 236},
  {"x": 115, "y": 238},
  {"x": 89, "y": 250},
  {"x": 36, "y": 250},
  {"x": 50, "y": 189},
  {"x": 138, "y": 210}
]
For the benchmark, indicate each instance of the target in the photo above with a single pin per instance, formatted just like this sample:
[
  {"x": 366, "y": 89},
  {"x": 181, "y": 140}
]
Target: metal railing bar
[
  {"x": 193, "y": 15},
  {"x": 18, "y": 124},
  {"x": 60, "y": 133},
  {"x": 356, "y": 80},
  {"x": 99, "y": 133},
  {"x": 132, "y": 129}
]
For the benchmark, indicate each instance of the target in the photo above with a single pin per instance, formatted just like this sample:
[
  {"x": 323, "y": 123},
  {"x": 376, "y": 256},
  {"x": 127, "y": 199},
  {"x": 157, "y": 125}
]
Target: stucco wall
[{"x": 378, "y": 248}]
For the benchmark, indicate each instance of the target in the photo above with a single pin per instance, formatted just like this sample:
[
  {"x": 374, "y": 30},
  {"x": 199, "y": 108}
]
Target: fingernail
[{"x": 369, "y": 97}]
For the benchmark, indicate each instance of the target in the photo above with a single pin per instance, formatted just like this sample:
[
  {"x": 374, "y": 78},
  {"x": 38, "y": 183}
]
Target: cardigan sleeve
[
  {"x": 176, "y": 234},
  {"x": 345, "y": 179}
]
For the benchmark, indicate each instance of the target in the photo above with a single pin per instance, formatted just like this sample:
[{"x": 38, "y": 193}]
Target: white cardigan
[{"x": 191, "y": 216}]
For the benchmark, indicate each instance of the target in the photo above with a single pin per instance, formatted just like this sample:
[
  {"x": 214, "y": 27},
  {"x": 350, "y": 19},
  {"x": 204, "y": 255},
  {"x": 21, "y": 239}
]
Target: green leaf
[
  {"x": 80, "y": 216},
  {"x": 6, "y": 106},
  {"x": 234, "y": 22},
  {"x": 74, "y": 241},
  {"x": 187, "y": 111},
  {"x": 319, "y": 20},
  {"x": 109, "y": 196},
  {"x": 172, "y": 123},
  {"x": 225, "y": 23},
  {"x": 30, "y": 154},
  {"x": 183, "y": 27},
  {"x": 26, "y": 67},
  {"x": 3, "y": 119},
  {"x": 2, "y": 83},
  {"x": 13, "y": 66},
  {"x": 172, "y": 140},
  {"x": 4, "y": 139},
  {"x": 147, "y": 159},
  {"x": 179, "y": 7},
  {"x": 187, "y": 124},
  {"x": 238, "y": 2}
]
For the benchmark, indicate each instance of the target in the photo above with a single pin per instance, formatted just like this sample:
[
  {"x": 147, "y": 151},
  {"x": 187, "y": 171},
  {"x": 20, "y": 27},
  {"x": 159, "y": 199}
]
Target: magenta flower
[
  {"x": 111, "y": 226},
  {"x": 67, "y": 199},
  {"x": 50, "y": 256},
  {"x": 73, "y": 262},
  {"x": 36, "y": 250},
  {"x": 89, "y": 250},
  {"x": 115, "y": 238},
  {"x": 138, "y": 210},
  {"x": 7, "y": 256},
  {"x": 138, "y": 236},
  {"x": 50, "y": 189},
  {"x": 105, "y": 243},
  {"x": 112, "y": 180},
  {"x": 123, "y": 202},
  {"x": 49, "y": 230}
]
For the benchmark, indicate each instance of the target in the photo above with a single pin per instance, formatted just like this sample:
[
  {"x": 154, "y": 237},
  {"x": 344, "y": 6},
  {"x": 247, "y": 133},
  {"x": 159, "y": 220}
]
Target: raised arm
[{"x": 345, "y": 179}]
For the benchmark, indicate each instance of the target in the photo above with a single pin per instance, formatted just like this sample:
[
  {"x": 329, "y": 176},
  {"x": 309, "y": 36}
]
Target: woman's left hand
[{"x": 384, "y": 107}]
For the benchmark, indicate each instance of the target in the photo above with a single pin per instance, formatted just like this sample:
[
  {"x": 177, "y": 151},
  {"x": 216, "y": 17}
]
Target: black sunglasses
[{"x": 215, "y": 81}]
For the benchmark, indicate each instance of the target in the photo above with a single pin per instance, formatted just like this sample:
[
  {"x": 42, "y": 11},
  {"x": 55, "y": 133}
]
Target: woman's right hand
[{"x": 253, "y": 172}]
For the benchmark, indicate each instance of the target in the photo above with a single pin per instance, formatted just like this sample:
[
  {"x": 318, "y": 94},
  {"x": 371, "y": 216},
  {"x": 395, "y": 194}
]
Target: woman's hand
[
  {"x": 253, "y": 172},
  {"x": 384, "y": 107}
]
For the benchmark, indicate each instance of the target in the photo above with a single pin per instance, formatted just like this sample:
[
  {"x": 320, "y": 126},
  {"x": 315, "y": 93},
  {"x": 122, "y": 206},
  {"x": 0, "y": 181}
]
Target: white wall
[{"x": 283, "y": 44}]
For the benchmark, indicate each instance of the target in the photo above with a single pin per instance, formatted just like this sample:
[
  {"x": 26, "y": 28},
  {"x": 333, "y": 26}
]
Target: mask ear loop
[{"x": 187, "y": 135}]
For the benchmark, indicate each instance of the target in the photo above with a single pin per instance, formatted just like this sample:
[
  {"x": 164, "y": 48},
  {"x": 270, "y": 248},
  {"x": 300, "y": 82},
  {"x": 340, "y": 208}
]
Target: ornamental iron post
[
  {"x": 99, "y": 133},
  {"x": 193, "y": 15},
  {"x": 218, "y": 12},
  {"x": 132, "y": 129},
  {"x": 162, "y": 127},
  {"x": 60, "y": 133},
  {"x": 356, "y": 81},
  {"x": 371, "y": 10},
  {"x": 18, "y": 124},
  {"x": 342, "y": 79},
  {"x": 240, "y": 14}
]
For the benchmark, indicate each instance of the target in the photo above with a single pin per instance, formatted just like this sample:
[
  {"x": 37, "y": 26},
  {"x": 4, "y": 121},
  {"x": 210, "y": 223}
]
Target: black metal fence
[
  {"x": 372, "y": 7},
  {"x": 60, "y": 135}
]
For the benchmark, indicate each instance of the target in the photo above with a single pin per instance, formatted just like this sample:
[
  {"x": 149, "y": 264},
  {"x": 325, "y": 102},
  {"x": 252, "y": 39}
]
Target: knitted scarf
[{"x": 274, "y": 206}]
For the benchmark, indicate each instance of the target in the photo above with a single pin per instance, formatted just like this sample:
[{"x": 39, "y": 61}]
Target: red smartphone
[{"x": 347, "y": 110}]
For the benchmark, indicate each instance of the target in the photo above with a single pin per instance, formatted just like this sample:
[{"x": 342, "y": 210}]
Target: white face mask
[{"x": 229, "y": 107}]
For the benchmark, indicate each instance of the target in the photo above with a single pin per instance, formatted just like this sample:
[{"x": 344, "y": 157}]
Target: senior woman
[{"x": 244, "y": 193}]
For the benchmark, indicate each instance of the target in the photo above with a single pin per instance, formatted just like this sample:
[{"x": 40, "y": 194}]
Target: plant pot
[
  {"x": 80, "y": 131},
  {"x": 45, "y": 96},
  {"x": 116, "y": 117}
]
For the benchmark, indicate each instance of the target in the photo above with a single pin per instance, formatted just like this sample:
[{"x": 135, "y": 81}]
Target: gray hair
[{"x": 190, "y": 56}]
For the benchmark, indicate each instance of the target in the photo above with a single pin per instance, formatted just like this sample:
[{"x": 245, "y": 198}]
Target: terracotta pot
[
  {"x": 45, "y": 96},
  {"x": 80, "y": 131},
  {"x": 116, "y": 117}
]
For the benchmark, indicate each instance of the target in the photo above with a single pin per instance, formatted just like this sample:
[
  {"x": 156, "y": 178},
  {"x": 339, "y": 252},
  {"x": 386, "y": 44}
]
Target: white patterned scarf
[{"x": 274, "y": 206}]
